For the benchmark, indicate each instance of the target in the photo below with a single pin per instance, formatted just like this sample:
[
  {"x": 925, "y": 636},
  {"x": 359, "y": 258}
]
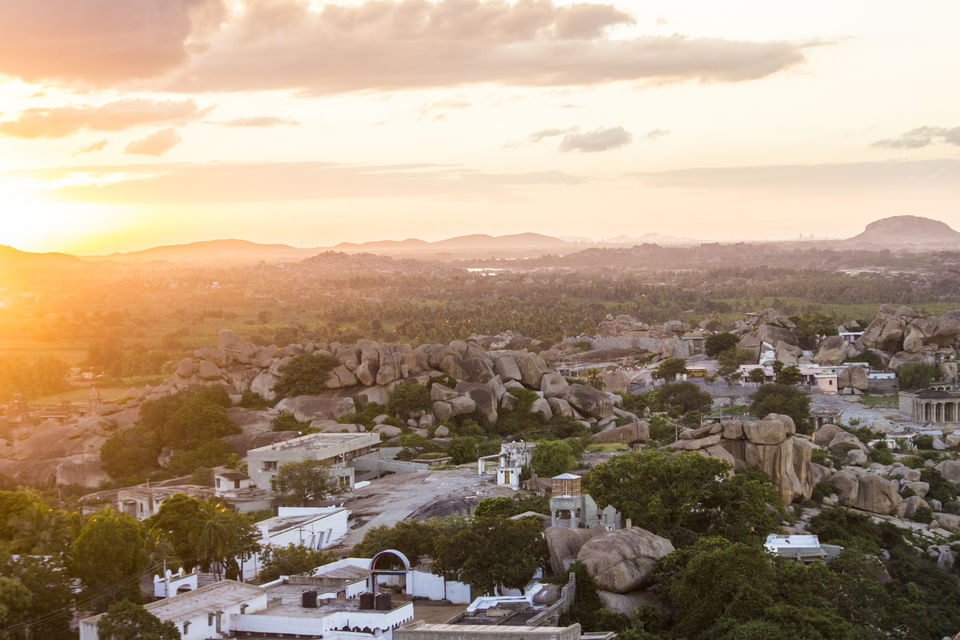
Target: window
[
  {"x": 209, "y": 619},
  {"x": 269, "y": 465}
]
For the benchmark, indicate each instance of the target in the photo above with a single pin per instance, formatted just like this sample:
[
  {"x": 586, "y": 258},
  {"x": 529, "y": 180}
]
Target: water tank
[
  {"x": 366, "y": 600},
  {"x": 309, "y": 599},
  {"x": 383, "y": 602}
]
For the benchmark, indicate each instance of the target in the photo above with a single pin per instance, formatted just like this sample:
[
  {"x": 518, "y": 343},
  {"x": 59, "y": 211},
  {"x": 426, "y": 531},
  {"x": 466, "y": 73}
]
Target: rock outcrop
[{"x": 622, "y": 560}]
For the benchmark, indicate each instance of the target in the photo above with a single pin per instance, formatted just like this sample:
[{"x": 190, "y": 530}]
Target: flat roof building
[{"x": 335, "y": 448}]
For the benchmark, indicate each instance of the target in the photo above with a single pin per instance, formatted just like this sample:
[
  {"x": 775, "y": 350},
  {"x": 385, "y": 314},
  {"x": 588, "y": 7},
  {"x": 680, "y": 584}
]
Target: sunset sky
[{"x": 131, "y": 123}]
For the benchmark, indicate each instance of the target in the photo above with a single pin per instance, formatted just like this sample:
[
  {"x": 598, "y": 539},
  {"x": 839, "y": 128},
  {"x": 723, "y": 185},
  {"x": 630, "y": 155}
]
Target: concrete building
[
  {"x": 932, "y": 406},
  {"x": 143, "y": 501},
  {"x": 240, "y": 490},
  {"x": 803, "y": 548},
  {"x": 311, "y": 527},
  {"x": 569, "y": 506},
  {"x": 290, "y": 607},
  {"x": 512, "y": 458},
  {"x": 422, "y": 631},
  {"x": 337, "y": 449}
]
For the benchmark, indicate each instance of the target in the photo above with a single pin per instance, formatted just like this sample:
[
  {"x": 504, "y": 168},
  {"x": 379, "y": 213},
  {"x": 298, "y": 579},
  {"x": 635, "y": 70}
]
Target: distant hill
[
  {"x": 14, "y": 261},
  {"x": 212, "y": 251},
  {"x": 901, "y": 231}
]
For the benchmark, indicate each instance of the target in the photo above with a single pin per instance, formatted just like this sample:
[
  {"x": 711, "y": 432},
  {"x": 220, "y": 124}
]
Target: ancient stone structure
[{"x": 931, "y": 406}]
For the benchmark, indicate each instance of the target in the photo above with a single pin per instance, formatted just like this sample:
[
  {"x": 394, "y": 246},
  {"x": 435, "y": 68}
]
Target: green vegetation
[
  {"x": 126, "y": 620},
  {"x": 918, "y": 375},
  {"x": 879, "y": 401},
  {"x": 508, "y": 507},
  {"x": 189, "y": 423},
  {"x": 286, "y": 421},
  {"x": 408, "y": 398},
  {"x": 717, "y": 343},
  {"x": 553, "y": 457},
  {"x": 671, "y": 368},
  {"x": 682, "y": 496},
  {"x": 304, "y": 483},
  {"x": 290, "y": 560},
  {"x": 305, "y": 374},
  {"x": 783, "y": 399},
  {"x": 681, "y": 398}
]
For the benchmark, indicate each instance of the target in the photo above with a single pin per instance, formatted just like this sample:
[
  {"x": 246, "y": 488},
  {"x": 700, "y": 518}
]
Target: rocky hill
[{"x": 899, "y": 231}]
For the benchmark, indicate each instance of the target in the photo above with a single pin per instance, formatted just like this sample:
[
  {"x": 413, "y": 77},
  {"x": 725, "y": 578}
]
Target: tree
[
  {"x": 552, "y": 457},
  {"x": 14, "y": 602},
  {"x": 717, "y": 343},
  {"x": 789, "y": 375},
  {"x": 504, "y": 507},
  {"x": 671, "y": 368},
  {"x": 787, "y": 400},
  {"x": 407, "y": 398},
  {"x": 586, "y": 605},
  {"x": 109, "y": 555},
  {"x": 491, "y": 554},
  {"x": 50, "y": 585},
  {"x": 684, "y": 495},
  {"x": 594, "y": 380},
  {"x": 678, "y": 398},
  {"x": 463, "y": 449},
  {"x": 757, "y": 375},
  {"x": 416, "y": 539},
  {"x": 291, "y": 560},
  {"x": 305, "y": 482},
  {"x": 126, "y": 620},
  {"x": 918, "y": 375},
  {"x": 305, "y": 374}
]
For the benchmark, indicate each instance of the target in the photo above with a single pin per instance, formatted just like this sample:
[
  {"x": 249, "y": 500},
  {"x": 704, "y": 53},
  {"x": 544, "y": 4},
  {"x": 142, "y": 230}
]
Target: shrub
[
  {"x": 407, "y": 398},
  {"x": 305, "y": 374}
]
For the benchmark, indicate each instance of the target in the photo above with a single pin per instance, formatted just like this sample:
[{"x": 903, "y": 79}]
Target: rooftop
[
  {"x": 212, "y": 597},
  {"x": 319, "y": 441},
  {"x": 278, "y": 524},
  {"x": 290, "y": 602}
]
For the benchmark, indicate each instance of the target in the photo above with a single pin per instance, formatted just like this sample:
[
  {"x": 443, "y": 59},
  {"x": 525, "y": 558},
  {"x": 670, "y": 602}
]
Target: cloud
[
  {"x": 187, "y": 183},
  {"x": 59, "y": 122},
  {"x": 442, "y": 106},
  {"x": 100, "y": 42},
  {"x": 656, "y": 133},
  {"x": 867, "y": 176},
  {"x": 156, "y": 144},
  {"x": 383, "y": 45},
  {"x": 598, "y": 140},
  {"x": 923, "y": 137},
  {"x": 574, "y": 139},
  {"x": 257, "y": 121},
  {"x": 96, "y": 146}
]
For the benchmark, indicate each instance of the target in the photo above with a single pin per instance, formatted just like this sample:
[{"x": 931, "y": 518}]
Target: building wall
[
  {"x": 256, "y": 458},
  {"x": 318, "y": 534},
  {"x": 422, "y": 584},
  {"x": 385, "y": 621}
]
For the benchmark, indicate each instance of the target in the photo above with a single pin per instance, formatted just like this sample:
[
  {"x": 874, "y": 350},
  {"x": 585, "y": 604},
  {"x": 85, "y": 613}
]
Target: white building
[
  {"x": 311, "y": 527},
  {"x": 336, "y": 449},
  {"x": 804, "y": 548},
  {"x": 512, "y": 458}
]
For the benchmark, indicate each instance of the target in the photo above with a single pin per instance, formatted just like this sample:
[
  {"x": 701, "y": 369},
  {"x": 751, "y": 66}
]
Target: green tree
[
  {"x": 174, "y": 523},
  {"x": 671, "y": 368},
  {"x": 717, "y": 343},
  {"x": 305, "y": 374},
  {"x": 789, "y": 375},
  {"x": 678, "y": 398},
  {"x": 491, "y": 554},
  {"x": 757, "y": 375},
  {"x": 291, "y": 560},
  {"x": 586, "y": 605},
  {"x": 594, "y": 380},
  {"x": 684, "y": 495},
  {"x": 918, "y": 375},
  {"x": 407, "y": 398},
  {"x": 463, "y": 449},
  {"x": 504, "y": 507},
  {"x": 130, "y": 454},
  {"x": 305, "y": 482},
  {"x": 414, "y": 538},
  {"x": 15, "y": 601},
  {"x": 109, "y": 556},
  {"x": 286, "y": 421},
  {"x": 49, "y": 611},
  {"x": 126, "y": 620},
  {"x": 783, "y": 399},
  {"x": 553, "y": 457}
]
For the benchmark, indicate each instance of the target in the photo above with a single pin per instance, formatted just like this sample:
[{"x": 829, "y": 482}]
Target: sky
[{"x": 126, "y": 124}]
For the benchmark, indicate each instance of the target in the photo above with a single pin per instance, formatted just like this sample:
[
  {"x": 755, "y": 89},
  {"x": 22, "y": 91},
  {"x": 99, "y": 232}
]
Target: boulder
[
  {"x": 235, "y": 349},
  {"x": 832, "y": 351},
  {"x": 776, "y": 461},
  {"x": 441, "y": 392},
  {"x": 627, "y": 434},
  {"x": 506, "y": 367},
  {"x": 548, "y": 594},
  {"x": 732, "y": 428},
  {"x": 459, "y": 406},
  {"x": 367, "y": 373},
  {"x": 396, "y": 361},
  {"x": 699, "y": 443},
  {"x": 208, "y": 371},
  {"x": 856, "y": 458},
  {"x": 845, "y": 441},
  {"x": 866, "y": 491},
  {"x": 345, "y": 377},
  {"x": 913, "y": 339},
  {"x": 773, "y": 429},
  {"x": 387, "y": 431},
  {"x": 532, "y": 369},
  {"x": 622, "y": 560},
  {"x": 508, "y": 402},
  {"x": 948, "y": 521},
  {"x": 901, "y": 358},
  {"x": 615, "y": 381},
  {"x": 186, "y": 367},
  {"x": 787, "y": 353},
  {"x": 950, "y": 469},
  {"x": 627, "y": 603},
  {"x": 589, "y": 401},
  {"x": 908, "y": 508},
  {"x": 560, "y": 407},
  {"x": 263, "y": 385},
  {"x": 379, "y": 395},
  {"x": 553, "y": 385},
  {"x": 218, "y": 357},
  {"x": 825, "y": 434},
  {"x": 852, "y": 378},
  {"x": 441, "y": 432},
  {"x": 344, "y": 407},
  {"x": 918, "y": 488},
  {"x": 308, "y": 408},
  {"x": 564, "y": 544},
  {"x": 542, "y": 407},
  {"x": 483, "y": 396}
]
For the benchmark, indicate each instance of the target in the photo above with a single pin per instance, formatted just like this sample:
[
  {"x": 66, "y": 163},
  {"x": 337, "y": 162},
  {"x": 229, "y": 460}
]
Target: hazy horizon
[{"x": 312, "y": 123}]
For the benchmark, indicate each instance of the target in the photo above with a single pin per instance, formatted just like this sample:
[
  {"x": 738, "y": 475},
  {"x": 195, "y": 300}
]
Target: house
[
  {"x": 336, "y": 449},
  {"x": 803, "y": 548},
  {"x": 143, "y": 501},
  {"x": 311, "y": 527},
  {"x": 512, "y": 458},
  {"x": 569, "y": 506},
  {"x": 290, "y": 607},
  {"x": 240, "y": 490}
]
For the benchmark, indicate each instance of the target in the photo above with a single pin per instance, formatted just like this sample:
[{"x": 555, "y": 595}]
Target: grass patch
[
  {"x": 611, "y": 446},
  {"x": 880, "y": 401}
]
